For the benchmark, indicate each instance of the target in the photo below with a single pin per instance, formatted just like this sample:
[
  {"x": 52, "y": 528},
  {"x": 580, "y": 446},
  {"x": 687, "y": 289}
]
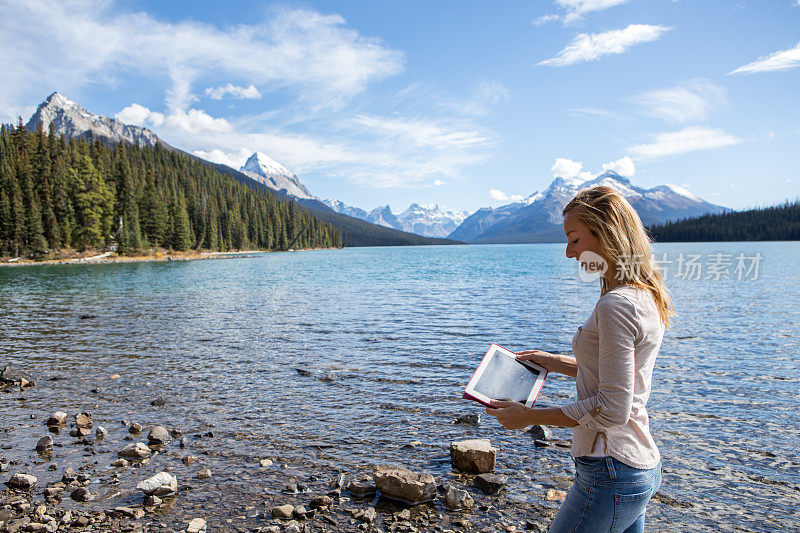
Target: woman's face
[{"x": 579, "y": 238}]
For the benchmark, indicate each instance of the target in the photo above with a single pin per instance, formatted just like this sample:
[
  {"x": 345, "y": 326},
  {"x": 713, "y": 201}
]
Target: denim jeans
[{"x": 607, "y": 495}]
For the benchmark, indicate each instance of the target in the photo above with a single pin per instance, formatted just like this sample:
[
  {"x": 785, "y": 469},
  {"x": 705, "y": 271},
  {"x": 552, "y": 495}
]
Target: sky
[{"x": 464, "y": 104}]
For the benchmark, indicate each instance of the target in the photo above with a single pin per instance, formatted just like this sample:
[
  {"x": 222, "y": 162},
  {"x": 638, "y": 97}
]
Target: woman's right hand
[{"x": 552, "y": 362}]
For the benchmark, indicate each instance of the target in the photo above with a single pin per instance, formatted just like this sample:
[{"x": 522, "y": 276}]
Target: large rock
[
  {"x": 538, "y": 432},
  {"x": 491, "y": 483},
  {"x": 45, "y": 444},
  {"x": 135, "y": 450},
  {"x": 282, "y": 511},
  {"x": 457, "y": 499},
  {"x": 58, "y": 418},
  {"x": 401, "y": 484},
  {"x": 162, "y": 484},
  {"x": 362, "y": 487},
  {"x": 476, "y": 456},
  {"x": 21, "y": 481},
  {"x": 83, "y": 420}
]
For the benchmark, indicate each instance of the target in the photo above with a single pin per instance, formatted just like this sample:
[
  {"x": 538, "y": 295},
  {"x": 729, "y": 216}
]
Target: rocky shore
[
  {"x": 110, "y": 257},
  {"x": 96, "y": 471}
]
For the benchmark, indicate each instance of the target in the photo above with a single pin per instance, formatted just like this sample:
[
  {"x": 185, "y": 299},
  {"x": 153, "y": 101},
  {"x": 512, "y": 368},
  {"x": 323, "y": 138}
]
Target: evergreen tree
[
  {"x": 91, "y": 198},
  {"x": 181, "y": 229}
]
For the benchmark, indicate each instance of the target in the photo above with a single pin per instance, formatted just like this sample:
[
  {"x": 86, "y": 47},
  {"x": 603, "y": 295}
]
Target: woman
[{"x": 617, "y": 463}]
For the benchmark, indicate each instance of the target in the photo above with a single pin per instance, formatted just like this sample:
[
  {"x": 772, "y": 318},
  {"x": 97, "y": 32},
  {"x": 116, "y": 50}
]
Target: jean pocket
[{"x": 628, "y": 508}]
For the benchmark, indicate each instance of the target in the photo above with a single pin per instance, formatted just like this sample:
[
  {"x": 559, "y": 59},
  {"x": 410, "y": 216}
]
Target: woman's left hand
[{"x": 511, "y": 415}]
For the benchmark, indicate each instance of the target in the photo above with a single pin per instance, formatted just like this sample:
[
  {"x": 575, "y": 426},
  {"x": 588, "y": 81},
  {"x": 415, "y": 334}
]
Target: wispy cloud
[
  {"x": 690, "y": 139},
  {"x": 594, "y": 112},
  {"x": 422, "y": 133},
  {"x": 544, "y": 19},
  {"x": 577, "y": 9},
  {"x": 693, "y": 100},
  {"x": 780, "y": 60},
  {"x": 592, "y": 46},
  {"x": 218, "y": 93}
]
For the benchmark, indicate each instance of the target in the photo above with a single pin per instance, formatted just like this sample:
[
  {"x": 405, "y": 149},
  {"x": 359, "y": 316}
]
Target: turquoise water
[{"x": 386, "y": 338}]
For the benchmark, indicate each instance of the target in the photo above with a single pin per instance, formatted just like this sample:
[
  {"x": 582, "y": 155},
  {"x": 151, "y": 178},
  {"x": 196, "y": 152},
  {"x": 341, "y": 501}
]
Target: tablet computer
[{"x": 501, "y": 376}]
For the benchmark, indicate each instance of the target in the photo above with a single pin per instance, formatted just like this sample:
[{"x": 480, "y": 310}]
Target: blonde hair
[{"x": 623, "y": 241}]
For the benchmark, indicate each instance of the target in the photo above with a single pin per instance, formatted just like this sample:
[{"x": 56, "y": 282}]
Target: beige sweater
[{"x": 615, "y": 350}]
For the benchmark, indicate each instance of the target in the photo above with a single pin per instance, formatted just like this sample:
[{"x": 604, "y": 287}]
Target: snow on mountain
[
  {"x": 426, "y": 220},
  {"x": 266, "y": 170},
  {"x": 71, "y": 120},
  {"x": 540, "y": 220}
]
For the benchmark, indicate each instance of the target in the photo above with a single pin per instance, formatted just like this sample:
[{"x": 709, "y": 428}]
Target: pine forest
[{"x": 72, "y": 194}]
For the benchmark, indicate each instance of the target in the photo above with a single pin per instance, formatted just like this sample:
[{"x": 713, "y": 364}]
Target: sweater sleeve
[{"x": 617, "y": 332}]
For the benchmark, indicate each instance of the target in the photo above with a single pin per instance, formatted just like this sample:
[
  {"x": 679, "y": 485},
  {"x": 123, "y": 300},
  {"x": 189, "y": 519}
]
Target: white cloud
[
  {"x": 781, "y": 60},
  {"x": 544, "y": 19},
  {"x": 233, "y": 159},
  {"x": 422, "y": 133},
  {"x": 576, "y": 9},
  {"x": 693, "y": 100},
  {"x": 241, "y": 93},
  {"x": 689, "y": 139},
  {"x": 593, "y": 112},
  {"x": 593, "y": 46},
  {"x": 499, "y": 196},
  {"x": 623, "y": 167},
  {"x": 140, "y": 116},
  {"x": 566, "y": 168},
  {"x": 438, "y": 183},
  {"x": 318, "y": 56}
]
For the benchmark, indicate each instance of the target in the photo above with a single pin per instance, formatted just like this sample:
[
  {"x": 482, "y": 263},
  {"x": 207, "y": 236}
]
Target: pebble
[
  {"x": 83, "y": 420},
  {"x": 197, "y": 525},
  {"x": 136, "y": 450},
  {"x": 159, "y": 435},
  {"x": 135, "y": 428},
  {"x": 472, "y": 419},
  {"x": 101, "y": 432},
  {"x": 282, "y": 511},
  {"x": 457, "y": 499},
  {"x": 205, "y": 473},
  {"x": 161, "y": 484},
  {"x": 321, "y": 502},
  {"x": 152, "y": 500},
  {"x": 120, "y": 463},
  {"x": 265, "y": 462},
  {"x": 491, "y": 483},
  {"x": 189, "y": 460},
  {"x": 554, "y": 495},
  {"x": 158, "y": 402}
]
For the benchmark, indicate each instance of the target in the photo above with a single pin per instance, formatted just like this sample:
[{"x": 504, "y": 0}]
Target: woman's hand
[
  {"x": 552, "y": 362},
  {"x": 511, "y": 415}
]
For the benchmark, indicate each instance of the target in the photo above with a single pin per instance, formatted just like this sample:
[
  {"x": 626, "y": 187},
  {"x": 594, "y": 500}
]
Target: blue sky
[{"x": 461, "y": 103}]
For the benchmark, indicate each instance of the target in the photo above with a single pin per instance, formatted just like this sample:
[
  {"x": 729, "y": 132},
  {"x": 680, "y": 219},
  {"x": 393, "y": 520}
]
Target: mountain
[
  {"x": 538, "y": 218},
  {"x": 71, "y": 120},
  {"x": 266, "y": 170},
  {"x": 426, "y": 220}
]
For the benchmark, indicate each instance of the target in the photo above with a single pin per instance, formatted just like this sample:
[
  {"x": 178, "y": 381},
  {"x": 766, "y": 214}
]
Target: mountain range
[{"x": 537, "y": 218}]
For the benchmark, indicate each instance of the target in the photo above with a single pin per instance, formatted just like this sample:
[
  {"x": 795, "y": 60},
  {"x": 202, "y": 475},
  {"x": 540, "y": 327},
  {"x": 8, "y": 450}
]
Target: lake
[{"x": 335, "y": 360}]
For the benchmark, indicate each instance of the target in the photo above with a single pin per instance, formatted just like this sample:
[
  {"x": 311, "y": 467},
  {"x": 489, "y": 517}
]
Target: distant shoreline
[{"x": 111, "y": 257}]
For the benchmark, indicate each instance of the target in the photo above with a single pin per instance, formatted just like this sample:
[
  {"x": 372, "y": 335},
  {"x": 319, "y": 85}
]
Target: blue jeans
[{"x": 607, "y": 495}]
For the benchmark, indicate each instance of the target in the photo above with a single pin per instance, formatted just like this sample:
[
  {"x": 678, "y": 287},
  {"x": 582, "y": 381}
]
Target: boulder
[
  {"x": 491, "y": 483},
  {"x": 59, "y": 418},
  {"x": 135, "y": 450},
  {"x": 162, "y": 484},
  {"x": 457, "y": 499},
  {"x": 21, "y": 481},
  {"x": 475, "y": 456},
  {"x": 401, "y": 484},
  {"x": 159, "y": 435}
]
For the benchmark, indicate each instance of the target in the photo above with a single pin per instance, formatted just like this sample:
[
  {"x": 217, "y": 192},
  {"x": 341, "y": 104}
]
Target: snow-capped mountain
[
  {"x": 266, "y": 170},
  {"x": 425, "y": 220},
  {"x": 71, "y": 120},
  {"x": 538, "y": 218}
]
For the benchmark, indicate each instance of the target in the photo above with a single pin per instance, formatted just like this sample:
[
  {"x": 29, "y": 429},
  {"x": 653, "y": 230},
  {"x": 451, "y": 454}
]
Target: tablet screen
[{"x": 506, "y": 379}]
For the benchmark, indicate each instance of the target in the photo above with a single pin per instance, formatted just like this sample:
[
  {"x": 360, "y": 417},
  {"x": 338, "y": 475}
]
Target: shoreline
[{"x": 112, "y": 257}]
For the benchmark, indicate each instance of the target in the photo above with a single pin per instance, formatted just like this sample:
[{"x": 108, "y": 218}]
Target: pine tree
[
  {"x": 181, "y": 230},
  {"x": 128, "y": 232},
  {"x": 91, "y": 198}
]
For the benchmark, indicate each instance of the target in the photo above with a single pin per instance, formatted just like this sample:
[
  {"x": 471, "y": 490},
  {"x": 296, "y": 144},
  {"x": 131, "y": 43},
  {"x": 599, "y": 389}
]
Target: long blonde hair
[{"x": 623, "y": 241}]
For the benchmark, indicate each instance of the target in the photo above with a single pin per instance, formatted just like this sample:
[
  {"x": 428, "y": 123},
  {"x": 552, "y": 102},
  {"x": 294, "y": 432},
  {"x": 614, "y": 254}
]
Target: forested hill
[
  {"x": 778, "y": 223},
  {"x": 58, "y": 193}
]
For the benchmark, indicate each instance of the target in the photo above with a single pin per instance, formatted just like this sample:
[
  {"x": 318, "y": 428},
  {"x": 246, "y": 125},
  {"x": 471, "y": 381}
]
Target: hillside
[{"x": 778, "y": 223}]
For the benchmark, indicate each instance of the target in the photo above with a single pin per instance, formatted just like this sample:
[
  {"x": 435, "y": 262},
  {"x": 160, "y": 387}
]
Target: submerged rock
[
  {"x": 472, "y": 419},
  {"x": 401, "y": 484},
  {"x": 362, "y": 487},
  {"x": 162, "y": 484},
  {"x": 11, "y": 374},
  {"x": 476, "y": 456}
]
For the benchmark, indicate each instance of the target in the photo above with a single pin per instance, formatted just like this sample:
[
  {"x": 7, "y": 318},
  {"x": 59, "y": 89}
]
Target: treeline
[
  {"x": 58, "y": 193},
  {"x": 778, "y": 223}
]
